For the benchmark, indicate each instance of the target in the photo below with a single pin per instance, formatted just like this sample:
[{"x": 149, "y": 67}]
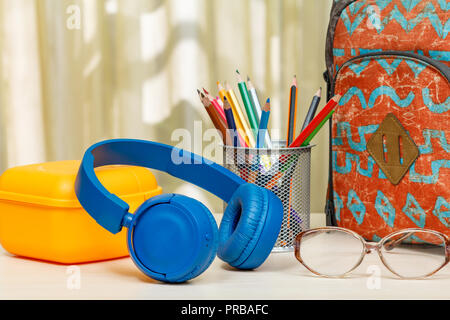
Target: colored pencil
[
  {"x": 216, "y": 104},
  {"x": 317, "y": 129},
  {"x": 239, "y": 125},
  {"x": 257, "y": 109},
  {"x": 315, "y": 122},
  {"x": 219, "y": 101},
  {"x": 239, "y": 116},
  {"x": 292, "y": 112},
  {"x": 247, "y": 104},
  {"x": 217, "y": 121},
  {"x": 312, "y": 108},
  {"x": 263, "y": 124},
  {"x": 273, "y": 181},
  {"x": 252, "y": 176},
  {"x": 254, "y": 98},
  {"x": 243, "y": 173},
  {"x": 222, "y": 91},
  {"x": 230, "y": 122}
]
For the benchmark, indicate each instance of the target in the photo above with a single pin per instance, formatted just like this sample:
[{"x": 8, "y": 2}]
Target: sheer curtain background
[{"x": 76, "y": 72}]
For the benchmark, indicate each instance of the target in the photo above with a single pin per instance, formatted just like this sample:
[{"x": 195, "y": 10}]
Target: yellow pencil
[
  {"x": 222, "y": 91},
  {"x": 237, "y": 120},
  {"x": 237, "y": 110},
  {"x": 239, "y": 126}
]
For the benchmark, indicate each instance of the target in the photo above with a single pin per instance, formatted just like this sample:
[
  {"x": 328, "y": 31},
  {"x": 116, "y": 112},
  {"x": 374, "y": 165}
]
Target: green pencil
[
  {"x": 247, "y": 104},
  {"x": 317, "y": 129}
]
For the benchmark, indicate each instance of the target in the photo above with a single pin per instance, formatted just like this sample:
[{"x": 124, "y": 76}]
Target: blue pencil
[
  {"x": 265, "y": 113},
  {"x": 230, "y": 122}
]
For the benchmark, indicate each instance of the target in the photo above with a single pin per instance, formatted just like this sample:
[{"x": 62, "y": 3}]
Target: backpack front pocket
[{"x": 401, "y": 177}]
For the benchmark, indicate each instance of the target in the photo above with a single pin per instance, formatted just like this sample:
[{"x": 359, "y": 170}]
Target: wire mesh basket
[{"x": 284, "y": 171}]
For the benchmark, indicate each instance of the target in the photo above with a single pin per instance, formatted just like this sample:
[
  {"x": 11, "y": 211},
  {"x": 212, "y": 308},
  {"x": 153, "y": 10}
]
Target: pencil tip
[
  {"x": 198, "y": 91},
  {"x": 226, "y": 104},
  {"x": 248, "y": 78},
  {"x": 205, "y": 91},
  {"x": 239, "y": 77},
  {"x": 266, "y": 107},
  {"x": 319, "y": 92}
]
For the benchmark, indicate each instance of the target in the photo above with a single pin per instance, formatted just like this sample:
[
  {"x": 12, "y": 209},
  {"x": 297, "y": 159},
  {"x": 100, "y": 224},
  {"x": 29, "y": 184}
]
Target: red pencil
[
  {"x": 315, "y": 122},
  {"x": 216, "y": 105}
]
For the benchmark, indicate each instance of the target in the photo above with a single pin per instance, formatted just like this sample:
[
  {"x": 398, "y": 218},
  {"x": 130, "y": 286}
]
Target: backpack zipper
[{"x": 442, "y": 68}]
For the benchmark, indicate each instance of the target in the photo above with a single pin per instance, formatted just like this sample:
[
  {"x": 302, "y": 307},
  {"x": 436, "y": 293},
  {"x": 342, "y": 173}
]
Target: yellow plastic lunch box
[{"x": 41, "y": 218}]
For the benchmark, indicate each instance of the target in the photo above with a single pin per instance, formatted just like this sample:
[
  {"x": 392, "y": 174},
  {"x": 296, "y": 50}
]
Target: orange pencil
[
  {"x": 217, "y": 121},
  {"x": 274, "y": 180},
  {"x": 216, "y": 105},
  {"x": 252, "y": 176}
]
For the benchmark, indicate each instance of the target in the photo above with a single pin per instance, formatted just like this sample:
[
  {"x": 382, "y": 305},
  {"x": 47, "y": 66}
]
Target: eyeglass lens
[
  {"x": 409, "y": 254},
  {"x": 331, "y": 252},
  {"x": 414, "y": 254}
]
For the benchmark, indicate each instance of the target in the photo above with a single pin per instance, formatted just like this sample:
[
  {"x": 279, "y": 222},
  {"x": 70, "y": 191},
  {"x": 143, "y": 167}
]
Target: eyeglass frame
[{"x": 369, "y": 247}]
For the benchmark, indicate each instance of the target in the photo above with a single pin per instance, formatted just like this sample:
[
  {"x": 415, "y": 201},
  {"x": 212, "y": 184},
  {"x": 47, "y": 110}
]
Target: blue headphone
[{"x": 174, "y": 238}]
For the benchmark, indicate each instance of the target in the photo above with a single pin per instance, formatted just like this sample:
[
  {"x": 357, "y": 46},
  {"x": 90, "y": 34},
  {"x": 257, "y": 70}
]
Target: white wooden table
[{"x": 280, "y": 277}]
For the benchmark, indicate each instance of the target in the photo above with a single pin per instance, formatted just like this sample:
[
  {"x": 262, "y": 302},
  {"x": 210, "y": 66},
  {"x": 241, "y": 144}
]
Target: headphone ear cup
[
  {"x": 211, "y": 237},
  {"x": 173, "y": 238},
  {"x": 250, "y": 226}
]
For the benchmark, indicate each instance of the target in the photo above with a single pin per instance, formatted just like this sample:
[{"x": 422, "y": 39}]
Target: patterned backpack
[{"x": 390, "y": 135}]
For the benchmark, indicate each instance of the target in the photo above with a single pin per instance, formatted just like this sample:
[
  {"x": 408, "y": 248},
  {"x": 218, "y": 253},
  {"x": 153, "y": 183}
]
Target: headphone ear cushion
[{"x": 250, "y": 227}]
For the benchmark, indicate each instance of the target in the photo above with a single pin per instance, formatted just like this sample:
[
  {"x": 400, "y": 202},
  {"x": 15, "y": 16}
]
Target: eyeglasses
[{"x": 408, "y": 253}]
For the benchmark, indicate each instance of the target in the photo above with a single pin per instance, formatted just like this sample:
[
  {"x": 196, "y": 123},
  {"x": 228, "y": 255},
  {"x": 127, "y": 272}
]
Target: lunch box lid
[{"x": 52, "y": 183}]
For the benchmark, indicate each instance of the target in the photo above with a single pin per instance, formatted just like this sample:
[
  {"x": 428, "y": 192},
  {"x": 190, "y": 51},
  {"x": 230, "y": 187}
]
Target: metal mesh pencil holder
[{"x": 284, "y": 171}]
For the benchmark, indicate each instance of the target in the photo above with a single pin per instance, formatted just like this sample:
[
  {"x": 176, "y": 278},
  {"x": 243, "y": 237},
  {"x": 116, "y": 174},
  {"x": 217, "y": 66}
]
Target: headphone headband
[{"x": 109, "y": 210}]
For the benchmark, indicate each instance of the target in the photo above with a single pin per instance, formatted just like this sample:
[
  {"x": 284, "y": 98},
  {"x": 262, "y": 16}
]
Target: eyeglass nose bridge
[{"x": 369, "y": 247}]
